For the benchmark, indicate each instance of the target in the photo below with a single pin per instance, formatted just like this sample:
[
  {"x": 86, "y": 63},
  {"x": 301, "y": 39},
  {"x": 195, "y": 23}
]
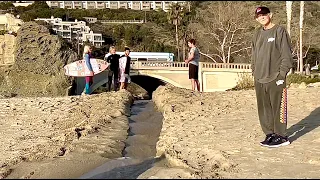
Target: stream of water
[{"x": 140, "y": 150}]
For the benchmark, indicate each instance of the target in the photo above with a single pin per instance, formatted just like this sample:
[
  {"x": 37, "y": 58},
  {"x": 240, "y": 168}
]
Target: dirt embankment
[
  {"x": 217, "y": 135},
  {"x": 41, "y": 128},
  {"x": 39, "y": 60}
]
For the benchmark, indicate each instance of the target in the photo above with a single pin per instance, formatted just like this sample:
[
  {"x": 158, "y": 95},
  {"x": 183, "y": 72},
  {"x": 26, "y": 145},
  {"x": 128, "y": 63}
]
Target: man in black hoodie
[
  {"x": 271, "y": 61},
  {"x": 114, "y": 66}
]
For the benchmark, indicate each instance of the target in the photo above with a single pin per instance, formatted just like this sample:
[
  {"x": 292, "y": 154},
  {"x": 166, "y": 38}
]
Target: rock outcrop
[
  {"x": 39, "y": 60},
  {"x": 7, "y": 42}
]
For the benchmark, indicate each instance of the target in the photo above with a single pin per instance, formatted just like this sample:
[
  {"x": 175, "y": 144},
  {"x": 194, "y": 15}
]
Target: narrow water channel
[{"x": 140, "y": 150}]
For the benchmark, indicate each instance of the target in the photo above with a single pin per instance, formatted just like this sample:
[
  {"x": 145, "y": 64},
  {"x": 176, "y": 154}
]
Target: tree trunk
[
  {"x": 184, "y": 47},
  {"x": 289, "y": 12},
  {"x": 177, "y": 39},
  {"x": 301, "y": 28},
  {"x": 289, "y": 16},
  {"x": 298, "y": 57},
  {"x": 229, "y": 54}
]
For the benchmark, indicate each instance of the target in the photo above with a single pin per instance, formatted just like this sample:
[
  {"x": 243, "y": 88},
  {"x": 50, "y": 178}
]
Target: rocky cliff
[{"x": 39, "y": 60}]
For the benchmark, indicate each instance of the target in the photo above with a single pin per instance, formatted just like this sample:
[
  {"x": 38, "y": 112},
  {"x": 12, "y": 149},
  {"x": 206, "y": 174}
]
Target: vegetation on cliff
[{"x": 39, "y": 60}]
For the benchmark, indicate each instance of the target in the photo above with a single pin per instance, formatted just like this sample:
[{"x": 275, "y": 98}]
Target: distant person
[
  {"x": 271, "y": 61},
  {"x": 193, "y": 61},
  {"x": 124, "y": 69},
  {"x": 113, "y": 58},
  {"x": 88, "y": 70}
]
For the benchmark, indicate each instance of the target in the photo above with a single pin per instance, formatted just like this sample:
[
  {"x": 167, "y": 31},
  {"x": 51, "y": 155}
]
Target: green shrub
[
  {"x": 298, "y": 78},
  {"x": 3, "y": 32},
  {"x": 245, "y": 82}
]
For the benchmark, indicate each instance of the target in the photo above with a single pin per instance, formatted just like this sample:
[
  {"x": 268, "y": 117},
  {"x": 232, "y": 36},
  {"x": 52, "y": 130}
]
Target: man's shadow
[{"x": 306, "y": 125}]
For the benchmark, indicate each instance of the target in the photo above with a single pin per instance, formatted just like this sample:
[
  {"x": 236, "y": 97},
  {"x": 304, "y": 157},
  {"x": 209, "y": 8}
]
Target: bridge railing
[
  {"x": 157, "y": 65},
  {"x": 182, "y": 65},
  {"x": 226, "y": 65}
]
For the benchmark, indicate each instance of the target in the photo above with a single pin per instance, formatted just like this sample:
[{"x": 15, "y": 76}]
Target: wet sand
[
  {"x": 139, "y": 161},
  {"x": 139, "y": 154}
]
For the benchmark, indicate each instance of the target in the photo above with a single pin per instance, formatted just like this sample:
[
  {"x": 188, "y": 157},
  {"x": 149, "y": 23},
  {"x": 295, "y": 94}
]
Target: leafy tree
[
  {"x": 38, "y": 5},
  {"x": 228, "y": 35},
  {"x": 175, "y": 16},
  {"x": 313, "y": 56},
  {"x": 129, "y": 36},
  {"x": 6, "y": 5}
]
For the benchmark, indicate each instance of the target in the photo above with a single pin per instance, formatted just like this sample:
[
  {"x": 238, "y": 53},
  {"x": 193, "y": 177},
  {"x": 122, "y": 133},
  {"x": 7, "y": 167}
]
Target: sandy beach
[
  {"x": 37, "y": 134},
  {"x": 203, "y": 135},
  {"x": 217, "y": 135}
]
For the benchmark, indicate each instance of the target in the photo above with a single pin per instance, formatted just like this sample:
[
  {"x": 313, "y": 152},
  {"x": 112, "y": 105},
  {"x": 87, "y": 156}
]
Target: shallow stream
[{"x": 140, "y": 150}]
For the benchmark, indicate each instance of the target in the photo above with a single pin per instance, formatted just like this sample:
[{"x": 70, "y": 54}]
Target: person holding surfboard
[
  {"x": 124, "y": 69},
  {"x": 113, "y": 59},
  {"x": 88, "y": 70}
]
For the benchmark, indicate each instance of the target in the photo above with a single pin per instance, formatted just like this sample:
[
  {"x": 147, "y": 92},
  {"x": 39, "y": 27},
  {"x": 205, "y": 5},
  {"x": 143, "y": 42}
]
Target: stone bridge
[{"x": 151, "y": 74}]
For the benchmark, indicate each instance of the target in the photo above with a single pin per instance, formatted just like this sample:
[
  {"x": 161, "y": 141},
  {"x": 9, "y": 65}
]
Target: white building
[
  {"x": 74, "y": 30},
  {"x": 10, "y": 23},
  {"x": 135, "y": 5},
  {"x": 22, "y": 3}
]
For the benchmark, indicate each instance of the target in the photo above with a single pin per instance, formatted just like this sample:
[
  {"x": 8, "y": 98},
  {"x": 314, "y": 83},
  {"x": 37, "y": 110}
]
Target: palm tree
[{"x": 175, "y": 15}]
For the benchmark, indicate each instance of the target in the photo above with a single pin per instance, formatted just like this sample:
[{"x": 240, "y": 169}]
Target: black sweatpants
[
  {"x": 113, "y": 74},
  {"x": 272, "y": 106}
]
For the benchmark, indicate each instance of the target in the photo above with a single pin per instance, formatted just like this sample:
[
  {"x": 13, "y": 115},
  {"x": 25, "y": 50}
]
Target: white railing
[
  {"x": 121, "y": 21},
  {"x": 157, "y": 65},
  {"x": 179, "y": 65},
  {"x": 226, "y": 65}
]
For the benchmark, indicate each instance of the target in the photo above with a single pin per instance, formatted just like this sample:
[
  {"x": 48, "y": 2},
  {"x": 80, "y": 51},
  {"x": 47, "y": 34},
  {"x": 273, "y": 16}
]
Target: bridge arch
[
  {"x": 147, "y": 82},
  {"x": 162, "y": 78}
]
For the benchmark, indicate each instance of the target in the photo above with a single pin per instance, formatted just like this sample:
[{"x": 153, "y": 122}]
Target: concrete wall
[
  {"x": 212, "y": 76},
  {"x": 7, "y": 44},
  {"x": 221, "y": 80}
]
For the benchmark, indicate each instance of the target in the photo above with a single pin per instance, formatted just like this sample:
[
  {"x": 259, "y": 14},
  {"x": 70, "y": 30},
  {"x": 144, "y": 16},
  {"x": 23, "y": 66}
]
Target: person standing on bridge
[
  {"x": 124, "y": 69},
  {"x": 271, "y": 61},
  {"x": 88, "y": 70},
  {"x": 114, "y": 68},
  {"x": 193, "y": 61}
]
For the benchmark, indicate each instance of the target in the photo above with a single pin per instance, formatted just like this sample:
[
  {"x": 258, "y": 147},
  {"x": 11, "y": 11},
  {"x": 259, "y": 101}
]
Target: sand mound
[
  {"x": 41, "y": 128},
  {"x": 217, "y": 135}
]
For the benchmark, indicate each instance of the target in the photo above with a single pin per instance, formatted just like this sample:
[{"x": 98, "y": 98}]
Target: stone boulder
[{"x": 39, "y": 60}]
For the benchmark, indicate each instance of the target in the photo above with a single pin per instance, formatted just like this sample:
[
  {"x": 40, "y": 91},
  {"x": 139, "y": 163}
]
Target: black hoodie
[{"x": 271, "y": 54}]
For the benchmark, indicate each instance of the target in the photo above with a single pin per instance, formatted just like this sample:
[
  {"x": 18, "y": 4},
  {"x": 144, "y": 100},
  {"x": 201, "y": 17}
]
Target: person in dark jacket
[
  {"x": 271, "y": 61},
  {"x": 124, "y": 69},
  {"x": 113, "y": 59}
]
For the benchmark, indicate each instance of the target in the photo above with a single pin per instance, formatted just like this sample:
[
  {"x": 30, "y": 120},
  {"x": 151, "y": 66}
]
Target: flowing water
[{"x": 139, "y": 154}]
